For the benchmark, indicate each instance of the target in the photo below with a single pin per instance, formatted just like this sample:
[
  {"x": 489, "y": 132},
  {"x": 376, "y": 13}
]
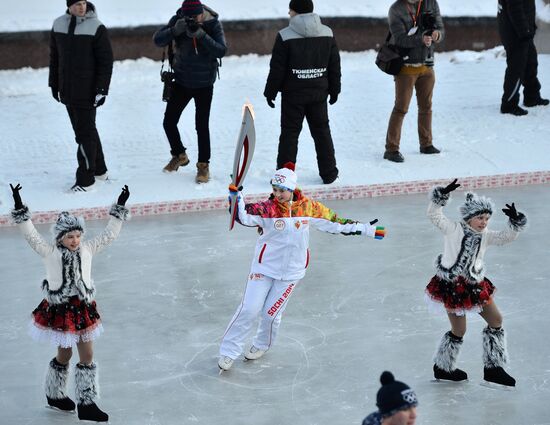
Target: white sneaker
[
  {"x": 225, "y": 363},
  {"x": 76, "y": 188},
  {"x": 254, "y": 353}
]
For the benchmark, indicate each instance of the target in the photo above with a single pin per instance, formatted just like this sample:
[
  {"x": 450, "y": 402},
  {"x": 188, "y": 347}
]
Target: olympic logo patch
[
  {"x": 280, "y": 225},
  {"x": 409, "y": 396},
  {"x": 278, "y": 179}
]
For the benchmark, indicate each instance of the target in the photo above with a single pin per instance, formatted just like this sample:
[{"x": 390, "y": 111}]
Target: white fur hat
[
  {"x": 285, "y": 178},
  {"x": 475, "y": 205},
  {"x": 66, "y": 223}
]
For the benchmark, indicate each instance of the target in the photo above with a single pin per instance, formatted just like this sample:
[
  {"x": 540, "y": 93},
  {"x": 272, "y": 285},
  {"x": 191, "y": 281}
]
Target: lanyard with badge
[{"x": 414, "y": 18}]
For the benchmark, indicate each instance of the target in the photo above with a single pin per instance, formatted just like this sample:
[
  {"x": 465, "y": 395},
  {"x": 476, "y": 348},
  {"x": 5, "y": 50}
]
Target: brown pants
[{"x": 404, "y": 84}]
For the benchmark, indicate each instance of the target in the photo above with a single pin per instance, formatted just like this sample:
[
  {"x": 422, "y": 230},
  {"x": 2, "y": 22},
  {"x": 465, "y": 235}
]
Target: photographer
[
  {"x": 415, "y": 26},
  {"x": 516, "y": 25},
  {"x": 199, "y": 42}
]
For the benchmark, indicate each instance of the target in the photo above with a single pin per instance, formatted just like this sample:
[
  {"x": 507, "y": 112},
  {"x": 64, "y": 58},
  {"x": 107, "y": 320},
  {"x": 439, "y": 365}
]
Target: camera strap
[{"x": 414, "y": 17}]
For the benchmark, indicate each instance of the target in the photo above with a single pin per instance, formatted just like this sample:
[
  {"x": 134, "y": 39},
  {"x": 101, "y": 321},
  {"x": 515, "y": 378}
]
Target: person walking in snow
[
  {"x": 67, "y": 317},
  {"x": 396, "y": 403},
  {"x": 81, "y": 64},
  {"x": 305, "y": 68},
  {"x": 280, "y": 260},
  {"x": 460, "y": 285},
  {"x": 415, "y": 26},
  {"x": 517, "y": 28},
  {"x": 199, "y": 43}
]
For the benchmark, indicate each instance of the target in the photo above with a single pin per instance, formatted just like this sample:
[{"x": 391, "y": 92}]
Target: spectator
[
  {"x": 199, "y": 43},
  {"x": 305, "y": 68},
  {"x": 414, "y": 25},
  {"x": 396, "y": 403},
  {"x": 516, "y": 24},
  {"x": 81, "y": 64}
]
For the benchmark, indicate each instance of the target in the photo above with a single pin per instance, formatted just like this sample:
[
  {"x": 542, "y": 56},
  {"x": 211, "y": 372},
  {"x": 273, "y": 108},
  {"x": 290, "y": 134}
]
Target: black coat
[
  {"x": 81, "y": 58},
  {"x": 305, "y": 63},
  {"x": 516, "y": 20},
  {"x": 195, "y": 68}
]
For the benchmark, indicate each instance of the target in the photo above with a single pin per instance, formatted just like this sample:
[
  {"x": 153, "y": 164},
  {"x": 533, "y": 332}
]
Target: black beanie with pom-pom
[{"x": 394, "y": 396}]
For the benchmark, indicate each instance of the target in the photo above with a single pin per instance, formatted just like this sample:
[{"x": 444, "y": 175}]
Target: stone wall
[{"x": 30, "y": 49}]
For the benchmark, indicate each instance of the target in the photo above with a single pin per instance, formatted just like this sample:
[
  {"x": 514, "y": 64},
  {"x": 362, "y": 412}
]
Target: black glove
[
  {"x": 270, "y": 102},
  {"x": 198, "y": 33},
  {"x": 333, "y": 99},
  {"x": 373, "y": 221},
  {"x": 450, "y": 187},
  {"x": 99, "y": 100},
  {"x": 123, "y": 197},
  {"x": 511, "y": 211},
  {"x": 179, "y": 27},
  {"x": 17, "y": 203},
  {"x": 55, "y": 93}
]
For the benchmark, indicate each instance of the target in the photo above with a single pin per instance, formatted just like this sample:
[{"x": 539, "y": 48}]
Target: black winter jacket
[
  {"x": 81, "y": 58},
  {"x": 305, "y": 63},
  {"x": 516, "y": 20},
  {"x": 195, "y": 69}
]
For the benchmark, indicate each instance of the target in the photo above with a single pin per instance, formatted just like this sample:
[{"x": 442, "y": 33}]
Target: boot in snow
[
  {"x": 176, "y": 162},
  {"x": 203, "y": 173}
]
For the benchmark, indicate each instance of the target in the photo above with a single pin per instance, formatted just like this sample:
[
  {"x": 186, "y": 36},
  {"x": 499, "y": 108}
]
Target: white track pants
[{"x": 264, "y": 297}]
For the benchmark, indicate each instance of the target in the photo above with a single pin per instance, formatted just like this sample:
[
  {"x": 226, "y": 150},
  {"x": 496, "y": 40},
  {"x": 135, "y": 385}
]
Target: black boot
[
  {"x": 87, "y": 392},
  {"x": 499, "y": 376},
  {"x": 495, "y": 357},
  {"x": 513, "y": 110},
  {"x": 536, "y": 102},
  {"x": 455, "y": 375},
  {"x": 90, "y": 412},
  {"x": 56, "y": 386},
  {"x": 446, "y": 357}
]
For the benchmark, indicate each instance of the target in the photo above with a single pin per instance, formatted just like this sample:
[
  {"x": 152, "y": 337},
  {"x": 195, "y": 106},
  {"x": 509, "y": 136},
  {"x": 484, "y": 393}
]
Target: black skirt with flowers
[{"x": 460, "y": 295}]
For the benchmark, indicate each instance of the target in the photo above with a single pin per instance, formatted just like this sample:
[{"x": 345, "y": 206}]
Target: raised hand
[
  {"x": 179, "y": 27},
  {"x": 124, "y": 195},
  {"x": 450, "y": 187},
  {"x": 17, "y": 203},
  {"x": 511, "y": 211}
]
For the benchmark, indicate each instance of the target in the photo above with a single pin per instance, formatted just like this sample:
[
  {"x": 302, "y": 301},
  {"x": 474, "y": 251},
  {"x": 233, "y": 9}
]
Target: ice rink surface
[{"x": 169, "y": 285}]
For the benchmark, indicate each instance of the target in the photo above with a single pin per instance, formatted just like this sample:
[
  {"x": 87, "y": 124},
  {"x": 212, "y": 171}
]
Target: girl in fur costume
[
  {"x": 67, "y": 316},
  {"x": 460, "y": 284},
  {"x": 280, "y": 260}
]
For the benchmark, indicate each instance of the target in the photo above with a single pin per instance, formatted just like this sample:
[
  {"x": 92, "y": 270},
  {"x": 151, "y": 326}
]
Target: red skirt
[
  {"x": 66, "y": 324},
  {"x": 460, "y": 295}
]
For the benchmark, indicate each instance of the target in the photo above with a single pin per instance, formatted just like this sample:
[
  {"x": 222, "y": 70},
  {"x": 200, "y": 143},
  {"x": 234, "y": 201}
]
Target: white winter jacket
[
  {"x": 460, "y": 256},
  {"x": 282, "y": 250},
  {"x": 52, "y": 257}
]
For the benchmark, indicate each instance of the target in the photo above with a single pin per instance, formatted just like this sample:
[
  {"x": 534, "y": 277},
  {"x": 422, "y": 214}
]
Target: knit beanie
[
  {"x": 192, "y": 8},
  {"x": 71, "y": 2},
  {"x": 475, "y": 205},
  {"x": 66, "y": 223},
  {"x": 394, "y": 396},
  {"x": 301, "y": 6},
  {"x": 285, "y": 178}
]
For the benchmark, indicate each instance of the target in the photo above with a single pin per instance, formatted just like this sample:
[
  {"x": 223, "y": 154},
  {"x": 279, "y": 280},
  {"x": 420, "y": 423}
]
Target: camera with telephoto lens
[
  {"x": 167, "y": 77},
  {"x": 428, "y": 23},
  {"x": 192, "y": 23}
]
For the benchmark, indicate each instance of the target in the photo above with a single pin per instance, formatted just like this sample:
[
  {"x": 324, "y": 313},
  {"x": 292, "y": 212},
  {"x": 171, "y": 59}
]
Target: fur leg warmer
[
  {"x": 56, "y": 380},
  {"x": 86, "y": 385},
  {"x": 495, "y": 353},
  {"x": 446, "y": 355}
]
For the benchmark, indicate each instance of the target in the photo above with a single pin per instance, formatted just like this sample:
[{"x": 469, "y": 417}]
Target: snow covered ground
[
  {"x": 38, "y": 148},
  {"x": 33, "y": 15}
]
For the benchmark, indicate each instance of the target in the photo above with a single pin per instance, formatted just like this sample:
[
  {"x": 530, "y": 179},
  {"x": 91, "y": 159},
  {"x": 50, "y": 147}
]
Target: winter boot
[
  {"x": 495, "y": 357},
  {"x": 536, "y": 102},
  {"x": 446, "y": 357},
  {"x": 254, "y": 353},
  {"x": 87, "y": 393},
  {"x": 225, "y": 363},
  {"x": 176, "y": 162},
  {"x": 56, "y": 386},
  {"x": 203, "y": 174},
  {"x": 513, "y": 110}
]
